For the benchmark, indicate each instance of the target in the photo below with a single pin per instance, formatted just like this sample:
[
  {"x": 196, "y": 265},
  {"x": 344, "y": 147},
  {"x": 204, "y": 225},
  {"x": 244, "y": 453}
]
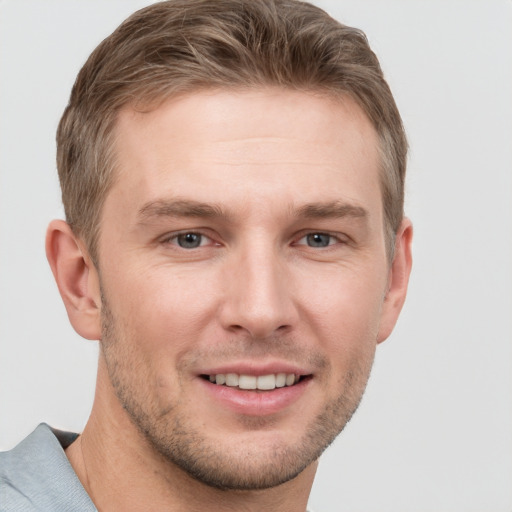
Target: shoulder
[{"x": 36, "y": 475}]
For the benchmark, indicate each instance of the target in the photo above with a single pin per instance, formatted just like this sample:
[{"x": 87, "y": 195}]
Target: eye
[
  {"x": 189, "y": 240},
  {"x": 318, "y": 240}
]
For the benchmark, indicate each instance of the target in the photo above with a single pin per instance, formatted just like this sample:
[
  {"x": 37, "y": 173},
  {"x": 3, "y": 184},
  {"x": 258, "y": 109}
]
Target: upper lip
[{"x": 256, "y": 369}]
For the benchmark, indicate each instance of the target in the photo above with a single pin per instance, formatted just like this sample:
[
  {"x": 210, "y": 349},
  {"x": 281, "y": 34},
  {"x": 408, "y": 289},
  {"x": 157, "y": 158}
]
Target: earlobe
[
  {"x": 76, "y": 278},
  {"x": 398, "y": 281}
]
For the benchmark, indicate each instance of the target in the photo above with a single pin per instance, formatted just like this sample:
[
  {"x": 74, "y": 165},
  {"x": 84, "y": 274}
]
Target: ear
[
  {"x": 77, "y": 279},
  {"x": 398, "y": 280}
]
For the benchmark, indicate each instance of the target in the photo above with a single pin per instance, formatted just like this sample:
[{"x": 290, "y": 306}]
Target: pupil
[
  {"x": 318, "y": 240},
  {"x": 189, "y": 240}
]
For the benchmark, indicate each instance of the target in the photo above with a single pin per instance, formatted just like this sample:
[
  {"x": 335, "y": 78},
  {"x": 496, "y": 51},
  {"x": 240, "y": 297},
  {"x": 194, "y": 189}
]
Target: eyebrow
[
  {"x": 332, "y": 209},
  {"x": 191, "y": 208},
  {"x": 179, "y": 208}
]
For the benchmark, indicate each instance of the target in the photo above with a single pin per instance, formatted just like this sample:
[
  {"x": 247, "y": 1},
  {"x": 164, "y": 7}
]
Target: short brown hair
[{"x": 180, "y": 46}]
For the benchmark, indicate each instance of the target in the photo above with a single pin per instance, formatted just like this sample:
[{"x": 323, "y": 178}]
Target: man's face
[{"x": 243, "y": 241}]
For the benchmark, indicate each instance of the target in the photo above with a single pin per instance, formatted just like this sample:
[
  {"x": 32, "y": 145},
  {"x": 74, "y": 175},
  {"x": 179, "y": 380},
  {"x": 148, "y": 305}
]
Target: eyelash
[
  {"x": 333, "y": 239},
  {"x": 174, "y": 239}
]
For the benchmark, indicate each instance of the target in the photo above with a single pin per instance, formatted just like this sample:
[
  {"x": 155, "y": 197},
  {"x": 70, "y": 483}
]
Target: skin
[{"x": 262, "y": 179}]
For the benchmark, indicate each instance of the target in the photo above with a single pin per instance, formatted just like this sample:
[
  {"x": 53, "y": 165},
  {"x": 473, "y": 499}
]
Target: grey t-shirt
[{"x": 37, "y": 475}]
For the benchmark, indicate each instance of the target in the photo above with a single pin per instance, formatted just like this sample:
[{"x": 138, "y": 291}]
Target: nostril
[{"x": 256, "y": 317}]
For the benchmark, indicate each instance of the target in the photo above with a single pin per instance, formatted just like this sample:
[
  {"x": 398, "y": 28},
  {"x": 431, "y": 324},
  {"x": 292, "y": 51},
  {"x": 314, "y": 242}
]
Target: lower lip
[{"x": 256, "y": 403}]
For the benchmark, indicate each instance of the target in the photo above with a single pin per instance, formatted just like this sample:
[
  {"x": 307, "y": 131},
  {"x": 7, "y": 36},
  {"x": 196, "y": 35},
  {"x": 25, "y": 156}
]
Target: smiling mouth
[{"x": 253, "y": 382}]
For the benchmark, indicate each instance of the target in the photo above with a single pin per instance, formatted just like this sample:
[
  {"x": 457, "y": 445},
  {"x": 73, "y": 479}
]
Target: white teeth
[
  {"x": 290, "y": 379},
  {"x": 280, "y": 380},
  {"x": 247, "y": 382},
  {"x": 263, "y": 382},
  {"x": 266, "y": 382},
  {"x": 232, "y": 379}
]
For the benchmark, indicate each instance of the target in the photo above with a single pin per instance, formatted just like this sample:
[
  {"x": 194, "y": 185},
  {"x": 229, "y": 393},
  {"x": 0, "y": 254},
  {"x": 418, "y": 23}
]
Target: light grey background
[{"x": 434, "y": 432}]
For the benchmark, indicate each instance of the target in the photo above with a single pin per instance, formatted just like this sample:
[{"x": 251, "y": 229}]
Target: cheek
[
  {"x": 344, "y": 318},
  {"x": 346, "y": 304},
  {"x": 160, "y": 310}
]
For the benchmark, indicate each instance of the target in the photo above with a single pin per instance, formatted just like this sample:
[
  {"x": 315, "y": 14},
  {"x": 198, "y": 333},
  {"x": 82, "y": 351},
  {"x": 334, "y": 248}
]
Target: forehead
[
  {"x": 219, "y": 145},
  {"x": 238, "y": 113}
]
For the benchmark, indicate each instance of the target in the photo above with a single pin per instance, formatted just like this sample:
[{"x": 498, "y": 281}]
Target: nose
[{"x": 259, "y": 297}]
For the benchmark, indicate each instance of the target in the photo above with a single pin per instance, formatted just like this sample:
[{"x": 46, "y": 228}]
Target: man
[{"x": 232, "y": 174}]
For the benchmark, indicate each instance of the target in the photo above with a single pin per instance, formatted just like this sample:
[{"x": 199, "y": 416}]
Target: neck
[{"x": 121, "y": 470}]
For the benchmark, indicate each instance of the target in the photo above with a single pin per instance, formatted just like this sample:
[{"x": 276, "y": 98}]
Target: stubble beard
[{"x": 174, "y": 438}]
